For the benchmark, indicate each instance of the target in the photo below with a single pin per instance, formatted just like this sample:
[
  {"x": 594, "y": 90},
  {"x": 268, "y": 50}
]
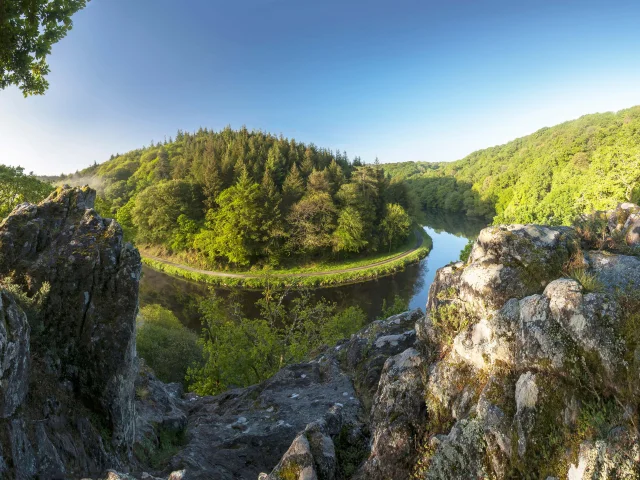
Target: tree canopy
[
  {"x": 243, "y": 198},
  {"x": 28, "y": 30},
  {"x": 549, "y": 177},
  {"x": 16, "y": 188}
]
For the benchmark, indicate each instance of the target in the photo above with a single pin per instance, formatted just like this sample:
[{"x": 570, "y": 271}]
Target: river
[{"x": 449, "y": 233}]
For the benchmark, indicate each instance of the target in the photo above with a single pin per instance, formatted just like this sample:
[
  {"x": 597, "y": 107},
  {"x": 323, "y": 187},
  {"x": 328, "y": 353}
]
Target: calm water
[{"x": 450, "y": 234}]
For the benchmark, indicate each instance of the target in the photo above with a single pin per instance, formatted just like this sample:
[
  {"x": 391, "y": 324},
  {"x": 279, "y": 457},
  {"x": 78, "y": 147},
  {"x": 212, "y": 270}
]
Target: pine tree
[
  {"x": 163, "y": 167},
  {"x": 293, "y": 188}
]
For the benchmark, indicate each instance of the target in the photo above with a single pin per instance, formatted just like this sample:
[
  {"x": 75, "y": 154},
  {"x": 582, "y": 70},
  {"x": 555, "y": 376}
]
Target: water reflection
[{"x": 449, "y": 233}]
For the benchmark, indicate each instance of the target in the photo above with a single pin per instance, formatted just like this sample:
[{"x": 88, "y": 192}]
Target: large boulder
[
  {"x": 540, "y": 379},
  {"x": 67, "y": 339},
  {"x": 88, "y": 329},
  {"x": 512, "y": 261}
]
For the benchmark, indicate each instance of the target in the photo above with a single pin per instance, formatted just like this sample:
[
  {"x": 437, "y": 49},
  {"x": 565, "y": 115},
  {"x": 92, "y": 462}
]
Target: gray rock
[
  {"x": 22, "y": 456},
  {"x": 364, "y": 354},
  {"x": 244, "y": 432},
  {"x": 514, "y": 261},
  {"x": 90, "y": 310},
  {"x": 14, "y": 355},
  {"x": 397, "y": 417},
  {"x": 632, "y": 230},
  {"x": 615, "y": 271},
  {"x": 460, "y": 454}
]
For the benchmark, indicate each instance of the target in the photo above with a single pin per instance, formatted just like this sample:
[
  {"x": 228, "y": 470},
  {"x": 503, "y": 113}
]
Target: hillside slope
[
  {"x": 551, "y": 176},
  {"x": 232, "y": 199}
]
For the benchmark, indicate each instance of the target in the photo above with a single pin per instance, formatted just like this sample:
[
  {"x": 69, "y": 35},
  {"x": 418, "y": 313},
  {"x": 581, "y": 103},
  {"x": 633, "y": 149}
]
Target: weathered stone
[
  {"x": 460, "y": 454},
  {"x": 159, "y": 409},
  {"x": 514, "y": 261},
  {"x": 615, "y": 271},
  {"x": 632, "y": 230},
  {"x": 365, "y": 353},
  {"x": 14, "y": 355},
  {"x": 397, "y": 417},
  {"x": 23, "y": 459},
  {"x": 89, "y": 312},
  {"x": 243, "y": 432},
  {"x": 50, "y": 464}
]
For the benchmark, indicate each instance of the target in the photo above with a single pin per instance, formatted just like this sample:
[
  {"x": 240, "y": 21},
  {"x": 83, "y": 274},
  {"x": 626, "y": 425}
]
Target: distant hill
[
  {"x": 549, "y": 177},
  {"x": 239, "y": 197}
]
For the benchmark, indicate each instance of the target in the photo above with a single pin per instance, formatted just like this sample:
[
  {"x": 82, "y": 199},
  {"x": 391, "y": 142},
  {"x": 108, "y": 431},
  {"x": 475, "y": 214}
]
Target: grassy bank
[{"x": 321, "y": 274}]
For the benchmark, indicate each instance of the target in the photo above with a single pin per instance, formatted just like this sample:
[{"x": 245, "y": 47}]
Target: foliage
[
  {"x": 165, "y": 344},
  {"x": 16, "y": 188},
  {"x": 240, "y": 351},
  {"x": 589, "y": 281},
  {"x": 361, "y": 270},
  {"x": 395, "y": 224},
  {"x": 466, "y": 251},
  {"x": 28, "y": 30},
  {"x": 549, "y": 177},
  {"x": 228, "y": 199},
  {"x": 448, "y": 320},
  {"x": 398, "y": 306}
]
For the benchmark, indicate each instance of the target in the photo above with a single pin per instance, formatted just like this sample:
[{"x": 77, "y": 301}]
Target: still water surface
[{"x": 450, "y": 234}]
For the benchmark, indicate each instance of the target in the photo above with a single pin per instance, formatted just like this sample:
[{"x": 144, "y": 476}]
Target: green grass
[{"x": 292, "y": 278}]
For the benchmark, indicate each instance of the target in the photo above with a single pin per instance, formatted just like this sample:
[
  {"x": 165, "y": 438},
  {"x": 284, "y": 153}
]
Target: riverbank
[{"x": 309, "y": 276}]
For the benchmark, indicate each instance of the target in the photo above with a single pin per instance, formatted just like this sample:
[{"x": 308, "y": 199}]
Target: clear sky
[{"x": 401, "y": 80}]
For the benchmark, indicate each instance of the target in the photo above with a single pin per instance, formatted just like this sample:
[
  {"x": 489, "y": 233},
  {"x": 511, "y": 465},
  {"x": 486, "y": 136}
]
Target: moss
[
  {"x": 449, "y": 319},
  {"x": 290, "y": 471},
  {"x": 351, "y": 451}
]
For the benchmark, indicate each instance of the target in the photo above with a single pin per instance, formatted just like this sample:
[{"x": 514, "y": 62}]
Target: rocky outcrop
[
  {"x": 68, "y": 364},
  {"x": 513, "y": 261},
  {"x": 517, "y": 371},
  {"x": 398, "y": 417},
  {"x": 305, "y": 422},
  {"x": 541, "y": 378}
]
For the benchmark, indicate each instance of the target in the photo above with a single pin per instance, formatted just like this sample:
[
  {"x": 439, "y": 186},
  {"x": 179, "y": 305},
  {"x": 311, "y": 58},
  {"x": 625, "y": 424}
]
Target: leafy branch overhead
[{"x": 28, "y": 30}]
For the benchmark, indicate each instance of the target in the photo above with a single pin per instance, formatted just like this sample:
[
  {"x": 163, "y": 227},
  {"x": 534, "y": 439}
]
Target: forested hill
[
  {"x": 548, "y": 177},
  {"x": 244, "y": 197}
]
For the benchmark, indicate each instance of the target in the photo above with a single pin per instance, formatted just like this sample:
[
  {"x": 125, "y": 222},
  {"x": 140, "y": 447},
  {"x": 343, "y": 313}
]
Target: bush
[
  {"x": 241, "y": 351},
  {"x": 166, "y": 345}
]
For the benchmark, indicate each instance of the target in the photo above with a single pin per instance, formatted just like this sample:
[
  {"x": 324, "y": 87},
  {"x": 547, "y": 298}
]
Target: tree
[
  {"x": 293, "y": 188},
  {"x": 273, "y": 228},
  {"x": 312, "y": 222},
  {"x": 395, "y": 225},
  {"x": 16, "y": 188},
  {"x": 350, "y": 234},
  {"x": 158, "y": 207},
  {"x": 165, "y": 344},
  {"x": 319, "y": 182},
  {"x": 28, "y": 29},
  {"x": 234, "y": 229},
  {"x": 163, "y": 167}
]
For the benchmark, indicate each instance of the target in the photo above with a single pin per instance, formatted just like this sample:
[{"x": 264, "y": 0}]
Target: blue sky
[{"x": 401, "y": 80}]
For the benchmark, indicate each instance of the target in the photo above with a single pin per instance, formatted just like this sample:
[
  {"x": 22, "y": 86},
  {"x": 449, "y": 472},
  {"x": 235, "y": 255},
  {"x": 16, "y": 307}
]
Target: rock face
[
  {"x": 14, "y": 354},
  {"x": 74, "y": 350},
  {"x": 540, "y": 380},
  {"x": 305, "y": 422}
]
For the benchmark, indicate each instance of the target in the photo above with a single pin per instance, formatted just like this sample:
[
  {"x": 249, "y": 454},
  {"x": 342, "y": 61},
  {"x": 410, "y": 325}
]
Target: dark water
[{"x": 450, "y": 234}]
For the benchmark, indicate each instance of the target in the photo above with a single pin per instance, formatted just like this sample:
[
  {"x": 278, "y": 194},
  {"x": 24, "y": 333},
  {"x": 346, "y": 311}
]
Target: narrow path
[{"x": 284, "y": 275}]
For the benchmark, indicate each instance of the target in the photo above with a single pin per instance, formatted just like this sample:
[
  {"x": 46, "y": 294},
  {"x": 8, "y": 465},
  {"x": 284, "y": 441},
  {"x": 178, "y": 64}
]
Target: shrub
[{"x": 166, "y": 345}]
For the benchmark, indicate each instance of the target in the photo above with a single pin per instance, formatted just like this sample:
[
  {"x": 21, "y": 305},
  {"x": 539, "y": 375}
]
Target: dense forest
[
  {"x": 548, "y": 177},
  {"x": 240, "y": 198}
]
